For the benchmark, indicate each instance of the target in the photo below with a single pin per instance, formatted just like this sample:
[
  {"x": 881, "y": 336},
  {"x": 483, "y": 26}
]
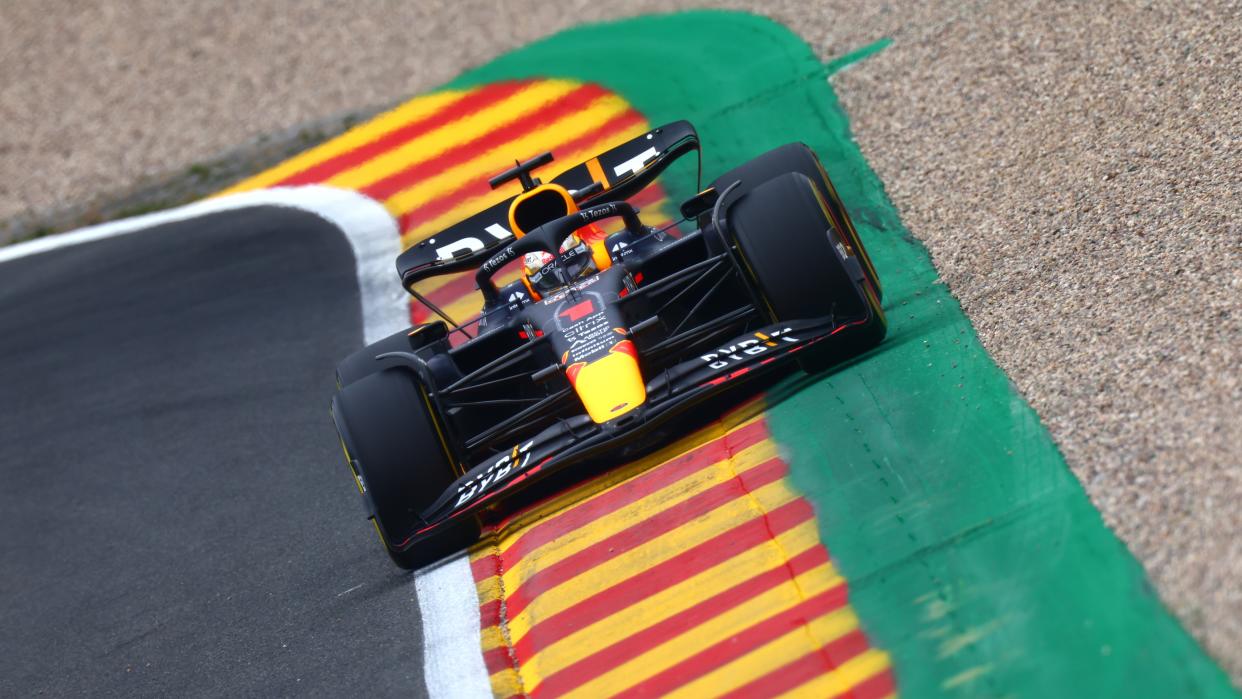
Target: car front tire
[
  {"x": 399, "y": 462},
  {"x": 801, "y": 267}
]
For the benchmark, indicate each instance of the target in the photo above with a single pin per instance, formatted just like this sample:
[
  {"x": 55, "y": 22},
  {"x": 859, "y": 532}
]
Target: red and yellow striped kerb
[
  {"x": 428, "y": 160},
  {"x": 696, "y": 571}
]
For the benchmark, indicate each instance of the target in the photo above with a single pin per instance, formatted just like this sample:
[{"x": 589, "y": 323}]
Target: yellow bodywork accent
[
  {"x": 611, "y": 387},
  {"x": 597, "y": 172},
  {"x": 350, "y": 462},
  {"x": 600, "y": 256}
]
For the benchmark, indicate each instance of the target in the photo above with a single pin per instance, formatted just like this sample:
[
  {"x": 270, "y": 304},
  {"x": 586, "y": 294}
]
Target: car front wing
[{"x": 574, "y": 439}]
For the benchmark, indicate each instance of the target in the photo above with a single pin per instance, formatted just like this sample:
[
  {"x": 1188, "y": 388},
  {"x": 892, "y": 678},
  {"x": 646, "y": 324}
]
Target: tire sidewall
[{"x": 386, "y": 424}]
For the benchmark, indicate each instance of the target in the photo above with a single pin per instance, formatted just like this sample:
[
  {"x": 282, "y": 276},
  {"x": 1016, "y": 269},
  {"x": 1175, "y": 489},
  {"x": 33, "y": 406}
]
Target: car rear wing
[{"x": 621, "y": 172}]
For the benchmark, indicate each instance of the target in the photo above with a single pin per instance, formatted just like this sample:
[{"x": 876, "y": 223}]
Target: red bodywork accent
[
  {"x": 625, "y": 347},
  {"x": 577, "y": 311},
  {"x": 571, "y": 372}
]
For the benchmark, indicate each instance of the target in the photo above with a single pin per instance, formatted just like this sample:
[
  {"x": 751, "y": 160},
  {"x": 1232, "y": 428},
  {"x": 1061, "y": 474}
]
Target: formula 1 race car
[{"x": 601, "y": 337}]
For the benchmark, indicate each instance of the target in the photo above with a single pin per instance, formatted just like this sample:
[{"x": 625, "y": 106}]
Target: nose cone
[{"x": 611, "y": 386}]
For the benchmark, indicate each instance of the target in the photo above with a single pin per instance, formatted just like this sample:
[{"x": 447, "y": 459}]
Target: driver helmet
[{"x": 534, "y": 261}]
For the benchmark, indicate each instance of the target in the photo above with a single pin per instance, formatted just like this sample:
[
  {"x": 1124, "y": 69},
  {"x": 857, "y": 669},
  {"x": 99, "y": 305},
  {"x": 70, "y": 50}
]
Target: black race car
[{"x": 602, "y": 337}]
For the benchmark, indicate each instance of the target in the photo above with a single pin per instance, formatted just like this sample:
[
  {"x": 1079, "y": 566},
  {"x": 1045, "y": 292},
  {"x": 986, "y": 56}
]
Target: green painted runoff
[{"x": 973, "y": 554}]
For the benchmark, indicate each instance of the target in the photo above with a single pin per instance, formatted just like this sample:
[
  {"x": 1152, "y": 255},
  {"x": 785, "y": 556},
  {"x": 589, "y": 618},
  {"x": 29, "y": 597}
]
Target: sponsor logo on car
[
  {"x": 560, "y": 295},
  {"x": 751, "y": 346},
  {"x": 597, "y": 213},
  {"x": 635, "y": 164},
  {"x": 499, "y": 260},
  {"x": 470, "y": 244},
  {"x": 513, "y": 461}
]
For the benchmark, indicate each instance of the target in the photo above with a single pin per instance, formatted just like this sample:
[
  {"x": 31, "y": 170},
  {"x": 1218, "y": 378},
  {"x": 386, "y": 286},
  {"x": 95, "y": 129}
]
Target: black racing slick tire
[
  {"x": 399, "y": 462},
  {"x": 364, "y": 363},
  {"x": 797, "y": 157},
  {"x": 802, "y": 268}
]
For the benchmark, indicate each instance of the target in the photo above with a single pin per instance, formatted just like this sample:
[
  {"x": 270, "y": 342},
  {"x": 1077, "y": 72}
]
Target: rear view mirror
[{"x": 699, "y": 204}]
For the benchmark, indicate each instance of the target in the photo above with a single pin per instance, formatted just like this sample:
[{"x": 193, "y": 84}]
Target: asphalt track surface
[
  {"x": 1076, "y": 157},
  {"x": 174, "y": 519}
]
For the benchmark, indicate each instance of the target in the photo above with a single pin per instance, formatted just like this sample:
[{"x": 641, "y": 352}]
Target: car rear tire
[
  {"x": 789, "y": 245},
  {"x": 399, "y": 462},
  {"x": 797, "y": 157}
]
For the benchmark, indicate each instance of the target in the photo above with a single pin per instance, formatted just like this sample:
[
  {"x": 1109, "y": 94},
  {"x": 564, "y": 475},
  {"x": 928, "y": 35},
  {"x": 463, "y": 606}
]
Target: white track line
[
  {"x": 452, "y": 656},
  {"x": 452, "y": 653},
  {"x": 368, "y": 226}
]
